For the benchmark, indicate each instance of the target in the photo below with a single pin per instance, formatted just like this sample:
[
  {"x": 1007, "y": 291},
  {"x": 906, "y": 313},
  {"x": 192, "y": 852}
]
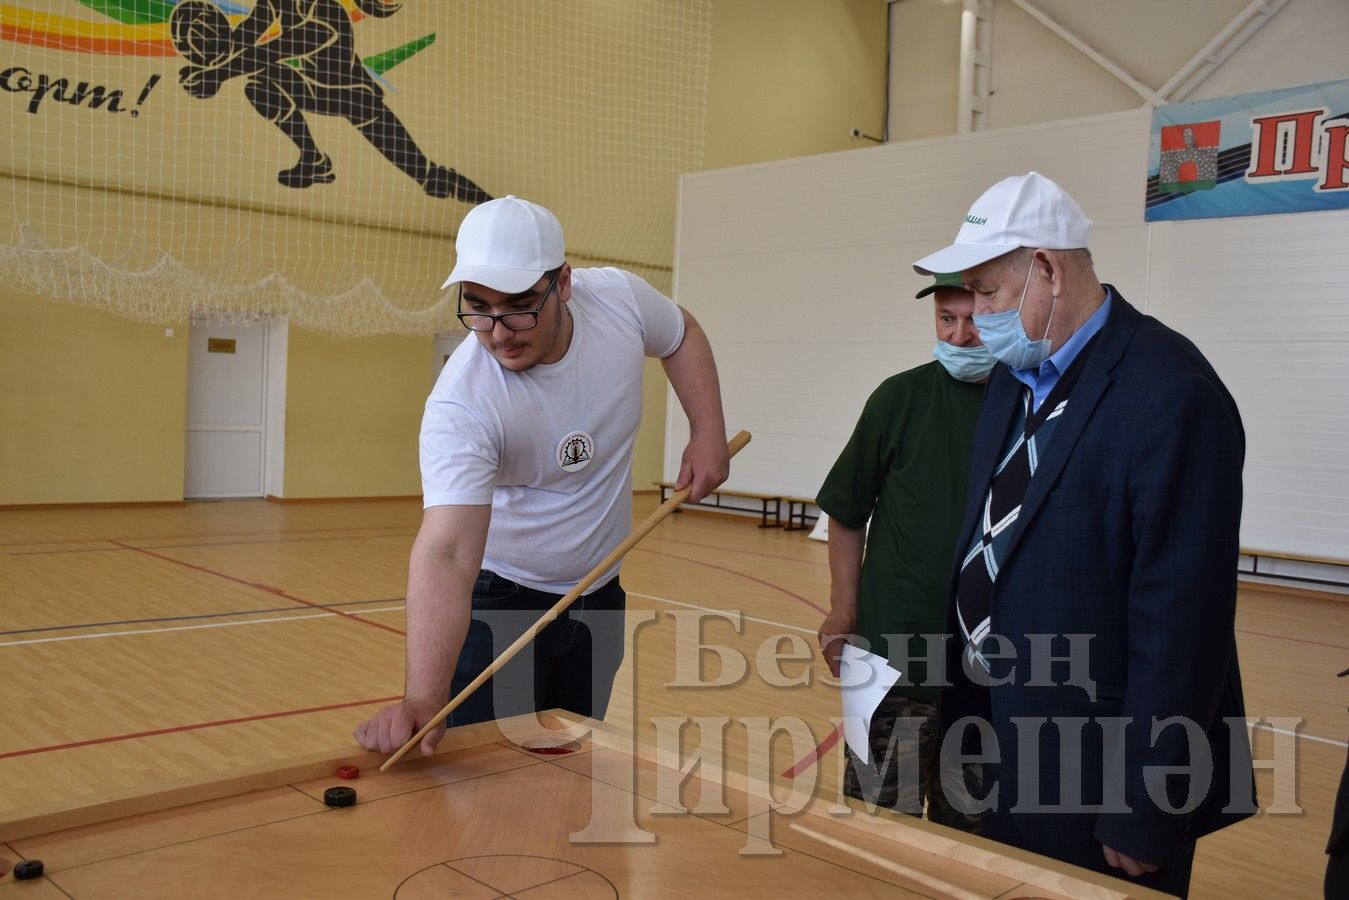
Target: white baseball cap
[
  {"x": 1022, "y": 211},
  {"x": 507, "y": 244}
]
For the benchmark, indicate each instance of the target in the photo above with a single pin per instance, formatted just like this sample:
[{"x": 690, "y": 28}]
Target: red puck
[{"x": 348, "y": 772}]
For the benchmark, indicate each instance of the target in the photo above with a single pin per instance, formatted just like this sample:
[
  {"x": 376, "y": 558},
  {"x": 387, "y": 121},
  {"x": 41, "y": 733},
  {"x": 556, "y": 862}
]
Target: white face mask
[
  {"x": 964, "y": 363},
  {"x": 1006, "y": 338}
]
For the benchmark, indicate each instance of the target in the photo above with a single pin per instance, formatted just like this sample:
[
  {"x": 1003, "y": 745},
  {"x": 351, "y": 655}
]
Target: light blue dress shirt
[{"x": 1042, "y": 380}]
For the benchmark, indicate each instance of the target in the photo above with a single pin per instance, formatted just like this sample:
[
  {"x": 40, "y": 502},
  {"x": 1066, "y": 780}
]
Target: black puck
[
  {"x": 29, "y": 868},
  {"x": 340, "y": 796}
]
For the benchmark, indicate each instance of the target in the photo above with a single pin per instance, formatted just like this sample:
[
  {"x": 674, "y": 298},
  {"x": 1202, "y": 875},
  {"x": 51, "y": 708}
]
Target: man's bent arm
[
  {"x": 445, "y": 561},
  {"x": 693, "y": 375},
  {"x": 446, "y": 558}
]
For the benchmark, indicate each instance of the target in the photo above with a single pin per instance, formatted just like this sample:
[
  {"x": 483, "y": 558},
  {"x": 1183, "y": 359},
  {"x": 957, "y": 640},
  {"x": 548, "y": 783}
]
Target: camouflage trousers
[{"x": 905, "y": 766}]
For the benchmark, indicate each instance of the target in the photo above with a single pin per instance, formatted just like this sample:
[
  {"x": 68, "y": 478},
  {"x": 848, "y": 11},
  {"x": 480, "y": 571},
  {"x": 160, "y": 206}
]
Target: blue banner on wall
[{"x": 1269, "y": 152}]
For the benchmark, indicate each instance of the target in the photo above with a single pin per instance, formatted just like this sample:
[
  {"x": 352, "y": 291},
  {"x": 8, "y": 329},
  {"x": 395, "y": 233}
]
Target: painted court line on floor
[
  {"x": 196, "y": 726},
  {"x": 252, "y": 542},
  {"x": 337, "y": 532},
  {"x": 723, "y": 611},
  {"x": 216, "y": 615},
  {"x": 319, "y": 615},
  {"x": 758, "y": 553},
  {"x": 1296, "y": 640},
  {"x": 1254, "y": 724},
  {"x": 115, "y": 547},
  {"x": 271, "y": 589},
  {"x": 174, "y": 537},
  {"x": 813, "y": 756},
  {"x": 768, "y": 584},
  {"x": 823, "y": 746},
  {"x": 136, "y": 631}
]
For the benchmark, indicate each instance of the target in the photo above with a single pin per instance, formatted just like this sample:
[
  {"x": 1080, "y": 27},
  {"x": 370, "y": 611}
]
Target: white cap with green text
[{"x": 1022, "y": 211}]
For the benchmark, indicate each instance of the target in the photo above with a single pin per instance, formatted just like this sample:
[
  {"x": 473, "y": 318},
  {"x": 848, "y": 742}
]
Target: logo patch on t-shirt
[{"x": 575, "y": 451}]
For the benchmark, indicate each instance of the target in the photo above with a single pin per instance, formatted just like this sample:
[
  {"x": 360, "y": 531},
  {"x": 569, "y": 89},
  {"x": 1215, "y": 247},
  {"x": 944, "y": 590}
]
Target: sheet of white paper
[{"x": 865, "y": 678}]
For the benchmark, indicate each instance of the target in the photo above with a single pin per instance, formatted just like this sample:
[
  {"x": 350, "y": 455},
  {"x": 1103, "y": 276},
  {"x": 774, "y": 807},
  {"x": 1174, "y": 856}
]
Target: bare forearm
[
  {"x": 845, "y": 565},
  {"x": 439, "y": 608},
  {"x": 445, "y": 561},
  {"x": 438, "y": 613}
]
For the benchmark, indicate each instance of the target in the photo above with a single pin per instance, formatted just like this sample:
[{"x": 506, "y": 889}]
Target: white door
[{"x": 226, "y": 410}]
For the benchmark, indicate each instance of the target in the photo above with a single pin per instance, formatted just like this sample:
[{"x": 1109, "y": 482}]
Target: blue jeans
[{"x": 569, "y": 665}]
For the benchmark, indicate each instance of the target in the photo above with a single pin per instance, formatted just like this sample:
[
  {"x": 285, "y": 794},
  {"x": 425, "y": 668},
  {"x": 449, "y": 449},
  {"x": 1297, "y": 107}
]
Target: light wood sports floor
[{"x": 143, "y": 645}]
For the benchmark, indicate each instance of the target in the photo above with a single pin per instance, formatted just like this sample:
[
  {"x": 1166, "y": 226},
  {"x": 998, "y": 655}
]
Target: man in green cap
[{"x": 905, "y": 470}]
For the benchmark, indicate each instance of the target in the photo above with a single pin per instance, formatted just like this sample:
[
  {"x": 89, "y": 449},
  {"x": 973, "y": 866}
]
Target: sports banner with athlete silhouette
[
  {"x": 309, "y": 66},
  {"x": 312, "y": 158}
]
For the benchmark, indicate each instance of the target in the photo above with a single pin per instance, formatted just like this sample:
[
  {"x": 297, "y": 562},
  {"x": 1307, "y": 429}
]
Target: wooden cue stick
[
  {"x": 931, "y": 882},
  {"x": 734, "y": 446}
]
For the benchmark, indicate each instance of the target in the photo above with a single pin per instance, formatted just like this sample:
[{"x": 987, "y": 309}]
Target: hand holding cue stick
[{"x": 734, "y": 446}]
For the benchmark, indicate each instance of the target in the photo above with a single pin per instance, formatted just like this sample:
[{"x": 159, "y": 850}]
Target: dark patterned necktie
[{"x": 1002, "y": 507}]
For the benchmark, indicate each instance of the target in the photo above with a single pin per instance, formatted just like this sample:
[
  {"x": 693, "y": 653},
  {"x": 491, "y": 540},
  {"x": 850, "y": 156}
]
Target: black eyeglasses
[{"x": 515, "y": 321}]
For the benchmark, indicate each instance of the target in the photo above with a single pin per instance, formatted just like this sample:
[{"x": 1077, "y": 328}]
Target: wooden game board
[{"x": 596, "y": 817}]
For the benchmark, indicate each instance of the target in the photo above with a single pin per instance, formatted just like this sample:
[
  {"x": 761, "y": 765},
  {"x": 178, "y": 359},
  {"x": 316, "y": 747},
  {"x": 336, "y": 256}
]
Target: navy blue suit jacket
[{"x": 1128, "y": 533}]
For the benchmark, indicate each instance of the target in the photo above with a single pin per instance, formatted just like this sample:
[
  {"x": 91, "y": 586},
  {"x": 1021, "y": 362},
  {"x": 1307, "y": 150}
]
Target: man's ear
[
  {"x": 1050, "y": 266},
  {"x": 564, "y": 282}
]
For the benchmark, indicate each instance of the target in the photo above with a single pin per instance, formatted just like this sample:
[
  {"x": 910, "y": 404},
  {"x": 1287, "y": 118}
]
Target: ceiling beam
[
  {"x": 1091, "y": 53},
  {"x": 1216, "y": 52},
  {"x": 976, "y": 39}
]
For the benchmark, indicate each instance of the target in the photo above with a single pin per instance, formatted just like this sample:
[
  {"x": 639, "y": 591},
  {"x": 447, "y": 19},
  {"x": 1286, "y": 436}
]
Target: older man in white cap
[
  {"x": 1094, "y": 586},
  {"x": 526, "y": 451}
]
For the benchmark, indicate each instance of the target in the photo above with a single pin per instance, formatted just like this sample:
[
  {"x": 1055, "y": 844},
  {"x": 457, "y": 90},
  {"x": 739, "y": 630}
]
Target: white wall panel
[{"x": 800, "y": 272}]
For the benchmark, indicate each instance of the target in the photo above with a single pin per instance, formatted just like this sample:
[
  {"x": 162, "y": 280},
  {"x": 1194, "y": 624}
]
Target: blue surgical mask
[
  {"x": 964, "y": 363},
  {"x": 1005, "y": 337}
]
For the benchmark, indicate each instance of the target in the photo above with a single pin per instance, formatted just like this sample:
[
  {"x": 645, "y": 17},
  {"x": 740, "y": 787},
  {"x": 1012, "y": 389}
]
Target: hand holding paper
[{"x": 864, "y": 680}]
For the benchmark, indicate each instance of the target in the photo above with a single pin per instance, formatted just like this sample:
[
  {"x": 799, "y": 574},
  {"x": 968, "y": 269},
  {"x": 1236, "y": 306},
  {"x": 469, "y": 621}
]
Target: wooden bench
[
  {"x": 768, "y": 503},
  {"x": 797, "y": 519},
  {"x": 1256, "y": 556}
]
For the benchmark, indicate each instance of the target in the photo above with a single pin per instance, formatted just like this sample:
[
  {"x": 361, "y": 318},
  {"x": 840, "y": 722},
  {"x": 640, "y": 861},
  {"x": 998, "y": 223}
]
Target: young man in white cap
[
  {"x": 526, "y": 451},
  {"x": 905, "y": 470},
  {"x": 1094, "y": 589}
]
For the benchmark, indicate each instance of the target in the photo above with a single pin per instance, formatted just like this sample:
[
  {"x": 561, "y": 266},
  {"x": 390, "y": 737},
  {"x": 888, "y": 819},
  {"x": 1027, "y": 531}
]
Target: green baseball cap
[{"x": 949, "y": 280}]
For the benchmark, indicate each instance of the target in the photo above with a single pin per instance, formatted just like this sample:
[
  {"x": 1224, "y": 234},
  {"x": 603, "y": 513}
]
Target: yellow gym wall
[
  {"x": 793, "y": 78},
  {"x": 353, "y": 407},
  {"x": 92, "y": 406}
]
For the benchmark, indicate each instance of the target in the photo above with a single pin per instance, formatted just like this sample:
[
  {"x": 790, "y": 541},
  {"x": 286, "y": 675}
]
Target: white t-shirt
[{"x": 551, "y": 447}]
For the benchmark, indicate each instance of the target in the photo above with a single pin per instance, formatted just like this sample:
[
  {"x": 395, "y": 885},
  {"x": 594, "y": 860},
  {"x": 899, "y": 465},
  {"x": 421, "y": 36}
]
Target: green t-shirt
[{"x": 906, "y": 468}]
